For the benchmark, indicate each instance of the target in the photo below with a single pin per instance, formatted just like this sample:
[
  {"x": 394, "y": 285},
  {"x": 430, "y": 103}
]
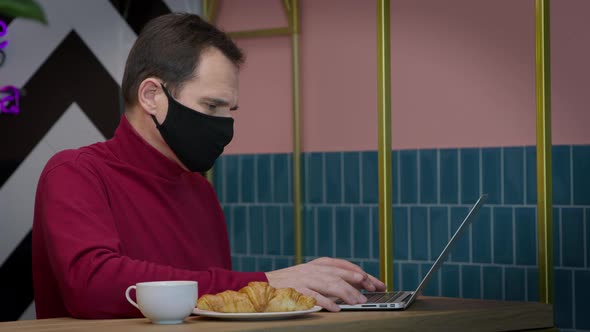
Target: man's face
[{"x": 213, "y": 90}]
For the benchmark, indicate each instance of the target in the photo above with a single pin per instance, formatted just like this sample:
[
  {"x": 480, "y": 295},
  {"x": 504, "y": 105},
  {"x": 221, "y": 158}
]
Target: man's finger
[
  {"x": 343, "y": 264},
  {"x": 355, "y": 279},
  {"x": 379, "y": 285},
  {"x": 327, "y": 304},
  {"x": 321, "y": 300},
  {"x": 368, "y": 285},
  {"x": 332, "y": 281}
]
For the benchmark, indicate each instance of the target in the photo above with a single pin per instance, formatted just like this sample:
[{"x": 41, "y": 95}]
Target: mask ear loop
[{"x": 167, "y": 93}]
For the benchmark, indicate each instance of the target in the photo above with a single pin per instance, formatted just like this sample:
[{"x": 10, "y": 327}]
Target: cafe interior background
[{"x": 463, "y": 123}]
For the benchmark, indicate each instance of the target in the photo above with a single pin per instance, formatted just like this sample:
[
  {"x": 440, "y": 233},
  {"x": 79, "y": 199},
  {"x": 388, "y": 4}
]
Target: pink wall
[
  {"x": 570, "y": 51},
  {"x": 462, "y": 74}
]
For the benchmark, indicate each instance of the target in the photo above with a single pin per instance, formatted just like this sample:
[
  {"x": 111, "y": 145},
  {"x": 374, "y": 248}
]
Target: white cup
[{"x": 165, "y": 302}]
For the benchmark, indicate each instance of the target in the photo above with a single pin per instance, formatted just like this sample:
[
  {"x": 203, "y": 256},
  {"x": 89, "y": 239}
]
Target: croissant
[
  {"x": 288, "y": 299},
  {"x": 256, "y": 297},
  {"x": 259, "y": 293},
  {"x": 228, "y": 301}
]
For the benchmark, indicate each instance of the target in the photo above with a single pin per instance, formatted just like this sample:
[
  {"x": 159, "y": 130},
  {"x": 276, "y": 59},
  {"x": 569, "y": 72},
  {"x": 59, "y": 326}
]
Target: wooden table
[{"x": 427, "y": 313}]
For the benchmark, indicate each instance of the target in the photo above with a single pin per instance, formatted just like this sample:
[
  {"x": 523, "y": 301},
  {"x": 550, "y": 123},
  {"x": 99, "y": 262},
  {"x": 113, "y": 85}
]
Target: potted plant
[{"x": 28, "y": 9}]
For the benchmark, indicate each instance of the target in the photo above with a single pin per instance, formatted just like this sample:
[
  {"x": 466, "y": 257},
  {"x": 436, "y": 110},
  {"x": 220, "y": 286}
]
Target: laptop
[{"x": 401, "y": 300}]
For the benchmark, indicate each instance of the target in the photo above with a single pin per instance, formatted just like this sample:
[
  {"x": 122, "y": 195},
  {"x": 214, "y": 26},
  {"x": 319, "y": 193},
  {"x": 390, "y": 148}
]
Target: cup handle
[{"x": 129, "y": 297}]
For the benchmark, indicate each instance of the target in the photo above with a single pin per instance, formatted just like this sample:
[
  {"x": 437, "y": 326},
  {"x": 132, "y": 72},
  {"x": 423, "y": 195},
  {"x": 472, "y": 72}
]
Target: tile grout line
[
  {"x": 560, "y": 237},
  {"x": 401, "y": 277},
  {"x": 324, "y": 179},
  {"x": 315, "y": 235},
  {"x": 428, "y": 235},
  {"x": 351, "y": 219},
  {"x": 513, "y": 235},
  {"x": 370, "y": 233},
  {"x": 374, "y": 260},
  {"x": 504, "y": 283},
  {"x": 448, "y": 237},
  {"x": 525, "y": 192},
  {"x": 231, "y": 231},
  {"x": 470, "y": 238},
  {"x": 523, "y": 180},
  {"x": 586, "y": 239},
  {"x": 537, "y": 240},
  {"x": 440, "y": 285},
  {"x": 256, "y": 263},
  {"x": 289, "y": 158},
  {"x": 375, "y": 205},
  {"x": 419, "y": 273},
  {"x": 305, "y": 172},
  {"x": 248, "y": 230},
  {"x": 409, "y": 231},
  {"x": 459, "y": 178},
  {"x": 480, "y": 171},
  {"x": 342, "y": 177},
  {"x": 281, "y": 231},
  {"x": 573, "y": 299},
  {"x": 272, "y": 177},
  {"x": 264, "y": 232},
  {"x": 399, "y": 178},
  {"x": 492, "y": 237},
  {"x": 571, "y": 152},
  {"x": 223, "y": 175},
  {"x": 256, "y": 178},
  {"x": 418, "y": 177},
  {"x": 438, "y": 189},
  {"x": 239, "y": 158},
  {"x": 360, "y": 183},
  {"x": 460, "y": 280},
  {"x": 334, "y": 231},
  {"x": 501, "y": 176},
  {"x": 526, "y": 284},
  {"x": 481, "y": 282}
]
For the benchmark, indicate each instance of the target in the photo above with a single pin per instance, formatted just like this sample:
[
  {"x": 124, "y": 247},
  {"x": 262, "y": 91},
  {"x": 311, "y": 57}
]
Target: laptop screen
[{"x": 443, "y": 255}]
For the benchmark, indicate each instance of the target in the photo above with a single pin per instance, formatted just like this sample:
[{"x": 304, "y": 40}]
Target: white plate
[{"x": 255, "y": 315}]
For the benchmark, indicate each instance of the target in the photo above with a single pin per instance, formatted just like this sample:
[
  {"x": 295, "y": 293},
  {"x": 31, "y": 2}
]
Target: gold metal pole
[
  {"x": 208, "y": 12},
  {"x": 544, "y": 180},
  {"x": 292, "y": 7},
  {"x": 384, "y": 109}
]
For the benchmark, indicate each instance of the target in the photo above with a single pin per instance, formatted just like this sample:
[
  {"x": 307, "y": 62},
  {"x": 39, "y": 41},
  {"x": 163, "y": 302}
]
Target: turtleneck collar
[{"x": 131, "y": 148}]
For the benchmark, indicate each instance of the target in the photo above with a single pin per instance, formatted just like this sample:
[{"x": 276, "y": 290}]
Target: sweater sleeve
[{"x": 83, "y": 247}]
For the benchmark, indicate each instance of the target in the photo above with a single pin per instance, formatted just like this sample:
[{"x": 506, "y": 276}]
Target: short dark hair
[{"x": 169, "y": 47}]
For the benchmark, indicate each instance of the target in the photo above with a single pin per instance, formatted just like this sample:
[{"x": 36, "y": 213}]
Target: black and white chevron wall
[{"x": 70, "y": 73}]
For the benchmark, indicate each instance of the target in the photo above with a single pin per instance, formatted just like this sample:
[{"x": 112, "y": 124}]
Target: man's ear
[{"x": 149, "y": 95}]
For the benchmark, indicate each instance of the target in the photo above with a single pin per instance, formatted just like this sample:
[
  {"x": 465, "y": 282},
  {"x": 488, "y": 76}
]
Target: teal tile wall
[{"x": 432, "y": 191}]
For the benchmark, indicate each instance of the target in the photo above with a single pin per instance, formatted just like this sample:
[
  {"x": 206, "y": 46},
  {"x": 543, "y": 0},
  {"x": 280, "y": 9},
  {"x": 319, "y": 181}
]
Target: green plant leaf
[{"x": 22, "y": 8}]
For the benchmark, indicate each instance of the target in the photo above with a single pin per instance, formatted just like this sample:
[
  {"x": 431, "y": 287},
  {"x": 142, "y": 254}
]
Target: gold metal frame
[
  {"x": 543, "y": 144},
  {"x": 384, "y": 153},
  {"x": 544, "y": 176},
  {"x": 209, "y": 12},
  {"x": 291, "y": 8}
]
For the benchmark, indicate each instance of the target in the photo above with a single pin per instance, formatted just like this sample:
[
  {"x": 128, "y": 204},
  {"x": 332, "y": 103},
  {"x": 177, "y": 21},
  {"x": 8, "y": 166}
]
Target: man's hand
[{"x": 325, "y": 277}]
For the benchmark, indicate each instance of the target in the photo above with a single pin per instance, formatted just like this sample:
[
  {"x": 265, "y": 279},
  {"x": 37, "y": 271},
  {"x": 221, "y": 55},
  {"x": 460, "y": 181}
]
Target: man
[{"x": 136, "y": 209}]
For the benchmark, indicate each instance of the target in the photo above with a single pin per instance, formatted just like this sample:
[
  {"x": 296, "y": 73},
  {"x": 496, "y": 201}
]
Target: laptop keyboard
[{"x": 383, "y": 297}]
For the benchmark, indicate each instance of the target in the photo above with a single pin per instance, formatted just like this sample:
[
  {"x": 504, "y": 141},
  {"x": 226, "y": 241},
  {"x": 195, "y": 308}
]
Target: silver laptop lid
[{"x": 443, "y": 255}]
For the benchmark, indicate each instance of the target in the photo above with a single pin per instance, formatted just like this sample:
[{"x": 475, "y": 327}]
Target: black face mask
[{"x": 197, "y": 139}]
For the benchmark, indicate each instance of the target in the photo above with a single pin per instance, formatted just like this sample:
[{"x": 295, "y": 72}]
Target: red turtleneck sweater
[{"x": 113, "y": 214}]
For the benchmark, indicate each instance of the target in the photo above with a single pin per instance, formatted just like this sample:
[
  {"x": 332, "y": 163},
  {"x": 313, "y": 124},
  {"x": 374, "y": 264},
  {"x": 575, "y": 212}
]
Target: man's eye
[{"x": 211, "y": 107}]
